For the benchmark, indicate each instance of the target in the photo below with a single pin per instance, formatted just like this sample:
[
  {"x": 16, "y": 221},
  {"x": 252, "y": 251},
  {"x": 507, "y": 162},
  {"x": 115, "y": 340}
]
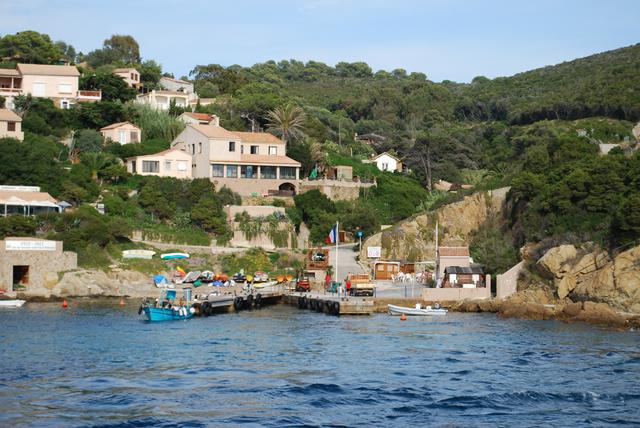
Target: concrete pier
[{"x": 331, "y": 304}]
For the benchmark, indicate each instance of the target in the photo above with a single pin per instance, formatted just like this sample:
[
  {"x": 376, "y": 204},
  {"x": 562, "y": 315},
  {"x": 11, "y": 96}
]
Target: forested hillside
[{"x": 536, "y": 131}]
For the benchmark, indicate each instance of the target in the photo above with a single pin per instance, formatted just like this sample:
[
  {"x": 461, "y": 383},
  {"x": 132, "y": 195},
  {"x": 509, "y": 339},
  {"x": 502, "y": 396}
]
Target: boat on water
[
  {"x": 174, "y": 256},
  {"x": 418, "y": 310},
  {"x": 169, "y": 307},
  {"x": 15, "y": 303}
]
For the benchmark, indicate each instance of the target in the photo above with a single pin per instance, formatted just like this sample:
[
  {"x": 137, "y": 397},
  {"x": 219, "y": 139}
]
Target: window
[
  {"x": 150, "y": 166},
  {"x": 64, "y": 88},
  {"x": 39, "y": 89},
  {"x": 167, "y": 165},
  {"x": 268, "y": 172},
  {"x": 254, "y": 150},
  {"x": 133, "y": 138},
  {"x": 287, "y": 172},
  {"x": 133, "y": 167},
  {"x": 217, "y": 170},
  {"x": 193, "y": 149},
  {"x": 64, "y": 104},
  {"x": 232, "y": 171},
  {"x": 385, "y": 166},
  {"x": 248, "y": 171},
  {"x": 273, "y": 150},
  {"x": 199, "y": 147},
  {"x": 232, "y": 146},
  {"x": 11, "y": 126},
  {"x": 241, "y": 149},
  {"x": 122, "y": 136}
]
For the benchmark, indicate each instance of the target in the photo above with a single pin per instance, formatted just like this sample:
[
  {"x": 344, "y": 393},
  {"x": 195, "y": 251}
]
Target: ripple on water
[{"x": 284, "y": 367}]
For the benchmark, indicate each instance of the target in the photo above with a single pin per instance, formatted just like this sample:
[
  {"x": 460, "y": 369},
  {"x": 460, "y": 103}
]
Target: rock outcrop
[
  {"x": 90, "y": 282},
  {"x": 414, "y": 239}
]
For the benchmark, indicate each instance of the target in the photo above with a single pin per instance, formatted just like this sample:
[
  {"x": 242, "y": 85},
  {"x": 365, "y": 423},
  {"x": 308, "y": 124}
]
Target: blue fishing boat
[{"x": 168, "y": 307}]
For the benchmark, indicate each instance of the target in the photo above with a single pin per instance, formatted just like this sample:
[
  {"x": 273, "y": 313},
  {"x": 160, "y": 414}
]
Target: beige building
[
  {"x": 199, "y": 119},
  {"x": 121, "y": 132},
  {"x": 31, "y": 266},
  {"x": 57, "y": 82},
  {"x": 131, "y": 76},
  {"x": 452, "y": 256},
  {"x": 169, "y": 163},
  {"x": 26, "y": 200},
  {"x": 161, "y": 100},
  {"x": 10, "y": 125},
  {"x": 251, "y": 164}
]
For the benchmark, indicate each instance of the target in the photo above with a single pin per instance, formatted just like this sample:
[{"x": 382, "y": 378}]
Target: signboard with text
[
  {"x": 374, "y": 252},
  {"x": 30, "y": 245}
]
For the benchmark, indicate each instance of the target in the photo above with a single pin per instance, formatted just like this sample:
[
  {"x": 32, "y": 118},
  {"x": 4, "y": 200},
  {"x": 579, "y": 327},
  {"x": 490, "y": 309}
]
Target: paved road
[{"x": 346, "y": 259}]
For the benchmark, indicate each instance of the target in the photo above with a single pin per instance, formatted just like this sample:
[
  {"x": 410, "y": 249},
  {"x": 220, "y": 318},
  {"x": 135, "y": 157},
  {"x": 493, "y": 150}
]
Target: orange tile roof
[
  {"x": 124, "y": 70},
  {"x": 164, "y": 152},
  {"x": 454, "y": 251},
  {"x": 51, "y": 70},
  {"x": 9, "y": 116},
  {"x": 212, "y": 131},
  {"x": 117, "y": 125},
  {"x": 258, "y": 137},
  {"x": 200, "y": 116},
  {"x": 9, "y": 72}
]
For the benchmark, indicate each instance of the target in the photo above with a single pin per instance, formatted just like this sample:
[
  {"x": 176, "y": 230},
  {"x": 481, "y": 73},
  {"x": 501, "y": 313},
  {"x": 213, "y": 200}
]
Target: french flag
[{"x": 333, "y": 236}]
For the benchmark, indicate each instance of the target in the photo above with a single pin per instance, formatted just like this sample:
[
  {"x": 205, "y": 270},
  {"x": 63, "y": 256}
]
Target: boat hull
[
  {"x": 165, "y": 314},
  {"x": 399, "y": 310},
  {"x": 11, "y": 303}
]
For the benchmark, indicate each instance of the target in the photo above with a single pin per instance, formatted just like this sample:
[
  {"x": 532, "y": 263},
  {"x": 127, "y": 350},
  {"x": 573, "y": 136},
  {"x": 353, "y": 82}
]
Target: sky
[{"x": 445, "y": 39}]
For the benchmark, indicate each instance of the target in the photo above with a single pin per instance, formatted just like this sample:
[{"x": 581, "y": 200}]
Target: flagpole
[{"x": 337, "y": 235}]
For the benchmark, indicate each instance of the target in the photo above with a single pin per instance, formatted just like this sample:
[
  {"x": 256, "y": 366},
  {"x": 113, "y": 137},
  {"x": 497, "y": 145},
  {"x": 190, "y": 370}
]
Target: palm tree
[{"x": 287, "y": 121}]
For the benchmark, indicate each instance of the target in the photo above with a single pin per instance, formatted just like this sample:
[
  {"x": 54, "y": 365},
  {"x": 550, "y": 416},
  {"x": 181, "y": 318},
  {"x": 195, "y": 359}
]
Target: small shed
[
  {"x": 384, "y": 269},
  {"x": 122, "y": 132},
  {"x": 464, "y": 277}
]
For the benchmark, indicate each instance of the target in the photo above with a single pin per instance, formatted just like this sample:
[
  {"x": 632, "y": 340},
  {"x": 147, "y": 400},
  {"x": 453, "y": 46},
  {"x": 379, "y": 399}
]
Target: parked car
[
  {"x": 260, "y": 277},
  {"x": 238, "y": 277}
]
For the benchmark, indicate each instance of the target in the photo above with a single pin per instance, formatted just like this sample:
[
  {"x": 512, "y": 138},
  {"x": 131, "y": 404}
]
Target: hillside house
[
  {"x": 57, "y": 82},
  {"x": 250, "y": 164},
  {"x": 10, "y": 125},
  {"x": 162, "y": 100},
  {"x": 370, "y": 139},
  {"x": 26, "y": 201},
  {"x": 452, "y": 256},
  {"x": 169, "y": 163},
  {"x": 121, "y": 132},
  {"x": 387, "y": 162},
  {"x": 131, "y": 76},
  {"x": 199, "y": 119}
]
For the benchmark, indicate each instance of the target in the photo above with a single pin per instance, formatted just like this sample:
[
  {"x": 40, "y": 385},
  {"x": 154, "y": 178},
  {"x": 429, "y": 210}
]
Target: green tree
[
  {"x": 287, "y": 121},
  {"x": 29, "y": 47},
  {"x": 87, "y": 140},
  {"x": 113, "y": 87}
]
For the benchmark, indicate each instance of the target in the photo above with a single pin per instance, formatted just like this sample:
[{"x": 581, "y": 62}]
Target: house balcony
[
  {"x": 10, "y": 92},
  {"x": 89, "y": 96}
]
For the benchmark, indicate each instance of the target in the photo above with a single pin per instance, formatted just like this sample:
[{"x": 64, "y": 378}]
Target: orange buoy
[
  {"x": 403, "y": 317},
  {"x": 65, "y": 304},
  {"x": 122, "y": 302}
]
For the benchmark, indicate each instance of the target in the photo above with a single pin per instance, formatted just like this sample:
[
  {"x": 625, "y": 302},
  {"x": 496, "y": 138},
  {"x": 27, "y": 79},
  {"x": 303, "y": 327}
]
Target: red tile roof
[{"x": 454, "y": 251}]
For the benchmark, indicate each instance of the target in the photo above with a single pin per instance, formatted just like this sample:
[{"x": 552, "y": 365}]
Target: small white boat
[
  {"x": 174, "y": 256},
  {"x": 138, "y": 254},
  {"x": 11, "y": 303},
  {"x": 418, "y": 310}
]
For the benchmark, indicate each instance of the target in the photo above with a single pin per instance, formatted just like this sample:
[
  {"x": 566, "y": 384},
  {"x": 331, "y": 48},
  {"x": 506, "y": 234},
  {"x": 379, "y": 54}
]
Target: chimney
[{"x": 215, "y": 120}]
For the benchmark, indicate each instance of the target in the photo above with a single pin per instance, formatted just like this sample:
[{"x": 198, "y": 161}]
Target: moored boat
[
  {"x": 418, "y": 310},
  {"x": 15, "y": 303},
  {"x": 168, "y": 307}
]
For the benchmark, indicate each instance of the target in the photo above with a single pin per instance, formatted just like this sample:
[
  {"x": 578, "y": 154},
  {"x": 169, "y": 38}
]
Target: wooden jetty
[{"x": 330, "y": 304}]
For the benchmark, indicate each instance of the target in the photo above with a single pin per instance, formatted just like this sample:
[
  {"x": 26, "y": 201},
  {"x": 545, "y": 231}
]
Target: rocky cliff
[{"x": 414, "y": 239}]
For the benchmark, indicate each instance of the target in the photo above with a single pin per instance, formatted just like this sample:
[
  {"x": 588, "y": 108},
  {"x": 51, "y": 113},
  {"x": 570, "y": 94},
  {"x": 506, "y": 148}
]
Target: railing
[
  {"x": 90, "y": 95},
  {"x": 10, "y": 91}
]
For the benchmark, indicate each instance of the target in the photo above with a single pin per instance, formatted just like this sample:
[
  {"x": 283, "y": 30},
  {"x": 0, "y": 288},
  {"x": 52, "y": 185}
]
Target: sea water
[{"x": 97, "y": 364}]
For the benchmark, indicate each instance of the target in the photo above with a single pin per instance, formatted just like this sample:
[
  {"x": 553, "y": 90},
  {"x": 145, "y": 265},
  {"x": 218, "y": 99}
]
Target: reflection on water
[{"x": 97, "y": 364}]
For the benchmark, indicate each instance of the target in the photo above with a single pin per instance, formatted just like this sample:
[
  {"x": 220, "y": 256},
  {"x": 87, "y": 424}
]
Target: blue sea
[{"x": 97, "y": 364}]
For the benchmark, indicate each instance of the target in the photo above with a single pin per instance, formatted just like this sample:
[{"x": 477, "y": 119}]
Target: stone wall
[
  {"x": 43, "y": 266},
  {"x": 507, "y": 283},
  {"x": 336, "y": 190}
]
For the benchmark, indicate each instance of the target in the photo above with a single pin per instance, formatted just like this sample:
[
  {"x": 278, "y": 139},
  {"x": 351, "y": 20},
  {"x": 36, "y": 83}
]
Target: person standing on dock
[{"x": 348, "y": 285}]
